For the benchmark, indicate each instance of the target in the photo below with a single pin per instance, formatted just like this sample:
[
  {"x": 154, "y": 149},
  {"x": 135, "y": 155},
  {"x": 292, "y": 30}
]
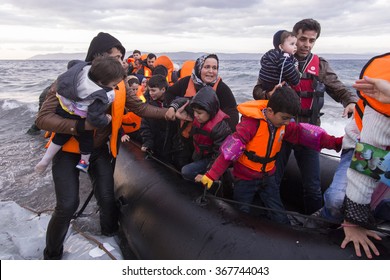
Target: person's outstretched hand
[
  {"x": 375, "y": 88},
  {"x": 275, "y": 88},
  {"x": 181, "y": 113},
  {"x": 359, "y": 236},
  {"x": 348, "y": 110}
]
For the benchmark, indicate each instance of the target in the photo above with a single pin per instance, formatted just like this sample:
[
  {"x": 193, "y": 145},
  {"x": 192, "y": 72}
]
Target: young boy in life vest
[
  {"x": 131, "y": 123},
  {"x": 84, "y": 91},
  {"x": 209, "y": 130},
  {"x": 254, "y": 146},
  {"x": 153, "y": 131}
]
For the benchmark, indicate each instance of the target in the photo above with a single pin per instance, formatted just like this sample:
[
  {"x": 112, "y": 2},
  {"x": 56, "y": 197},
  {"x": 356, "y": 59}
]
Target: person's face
[
  {"x": 279, "y": 119},
  {"x": 201, "y": 115},
  {"x": 290, "y": 45},
  {"x": 144, "y": 83},
  {"x": 136, "y": 56},
  {"x": 113, "y": 84},
  {"x": 150, "y": 62},
  {"x": 209, "y": 71},
  {"x": 133, "y": 88},
  {"x": 156, "y": 93},
  {"x": 305, "y": 42},
  {"x": 116, "y": 53}
]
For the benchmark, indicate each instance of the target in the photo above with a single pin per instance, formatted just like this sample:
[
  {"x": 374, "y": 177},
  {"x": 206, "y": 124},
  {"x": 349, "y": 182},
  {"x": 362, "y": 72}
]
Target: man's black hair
[{"x": 307, "y": 24}]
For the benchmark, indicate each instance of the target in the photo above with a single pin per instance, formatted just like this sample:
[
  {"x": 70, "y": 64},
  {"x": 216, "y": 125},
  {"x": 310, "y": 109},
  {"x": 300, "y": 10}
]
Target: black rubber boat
[{"x": 166, "y": 217}]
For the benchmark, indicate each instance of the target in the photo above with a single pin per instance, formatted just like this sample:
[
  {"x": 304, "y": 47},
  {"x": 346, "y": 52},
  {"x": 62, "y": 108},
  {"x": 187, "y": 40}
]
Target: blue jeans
[
  {"x": 308, "y": 161},
  {"x": 192, "y": 169},
  {"x": 268, "y": 190},
  {"x": 334, "y": 195}
]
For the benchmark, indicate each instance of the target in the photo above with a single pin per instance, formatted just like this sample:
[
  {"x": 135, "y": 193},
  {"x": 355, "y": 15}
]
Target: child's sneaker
[{"x": 82, "y": 166}]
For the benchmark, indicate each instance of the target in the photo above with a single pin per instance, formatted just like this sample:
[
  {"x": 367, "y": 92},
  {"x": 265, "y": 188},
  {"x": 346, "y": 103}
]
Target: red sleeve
[
  {"x": 292, "y": 133},
  {"x": 245, "y": 131}
]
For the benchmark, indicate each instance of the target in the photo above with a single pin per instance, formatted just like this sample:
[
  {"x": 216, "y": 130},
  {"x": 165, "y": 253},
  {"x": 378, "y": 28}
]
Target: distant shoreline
[{"x": 194, "y": 55}]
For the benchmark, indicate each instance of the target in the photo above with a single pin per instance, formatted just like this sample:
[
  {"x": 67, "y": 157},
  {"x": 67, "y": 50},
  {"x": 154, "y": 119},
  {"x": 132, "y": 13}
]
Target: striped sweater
[{"x": 277, "y": 66}]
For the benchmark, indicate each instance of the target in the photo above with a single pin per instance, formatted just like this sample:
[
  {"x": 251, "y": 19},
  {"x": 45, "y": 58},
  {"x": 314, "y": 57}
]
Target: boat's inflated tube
[{"x": 161, "y": 218}]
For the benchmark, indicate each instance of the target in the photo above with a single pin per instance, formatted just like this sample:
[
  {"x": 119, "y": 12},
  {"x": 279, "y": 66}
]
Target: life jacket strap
[{"x": 255, "y": 158}]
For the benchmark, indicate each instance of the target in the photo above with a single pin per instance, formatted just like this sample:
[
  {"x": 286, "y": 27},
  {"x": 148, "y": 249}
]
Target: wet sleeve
[
  {"x": 258, "y": 93},
  {"x": 144, "y": 110},
  {"x": 47, "y": 119}
]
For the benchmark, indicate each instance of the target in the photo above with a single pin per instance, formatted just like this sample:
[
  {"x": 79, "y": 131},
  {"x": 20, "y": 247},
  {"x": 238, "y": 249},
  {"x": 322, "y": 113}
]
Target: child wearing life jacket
[
  {"x": 84, "y": 91},
  {"x": 131, "y": 123},
  {"x": 279, "y": 64},
  {"x": 153, "y": 131},
  {"x": 209, "y": 130},
  {"x": 254, "y": 146}
]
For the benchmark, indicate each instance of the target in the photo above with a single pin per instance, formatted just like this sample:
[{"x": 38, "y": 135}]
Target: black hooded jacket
[{"x": 207, "y": 99}]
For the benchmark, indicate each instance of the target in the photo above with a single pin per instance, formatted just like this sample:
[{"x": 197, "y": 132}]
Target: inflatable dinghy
[{"x": 166, "y": 217}]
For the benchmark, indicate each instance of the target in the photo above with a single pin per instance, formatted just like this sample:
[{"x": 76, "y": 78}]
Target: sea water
[{"x": 21, "y": 83}]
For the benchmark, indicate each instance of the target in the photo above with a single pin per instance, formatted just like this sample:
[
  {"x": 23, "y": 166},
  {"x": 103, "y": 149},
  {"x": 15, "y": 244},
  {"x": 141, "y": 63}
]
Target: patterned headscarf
[{"x": 195, "y": 76}]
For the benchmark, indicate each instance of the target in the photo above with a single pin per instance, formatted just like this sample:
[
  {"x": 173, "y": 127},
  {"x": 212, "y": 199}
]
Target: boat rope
[
  {"x": 294, "y": 214},
  {"x": 149, "y": 154},
  {"x": 38, "y": 213},
  {"x": 202, "y": 200},
  {"x": 100, "y": 245},
  {"x": 80, "y": 212}
]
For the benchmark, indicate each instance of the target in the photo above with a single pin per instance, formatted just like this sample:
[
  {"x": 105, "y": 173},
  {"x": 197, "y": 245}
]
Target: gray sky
[{"x": 30, "y": 27}]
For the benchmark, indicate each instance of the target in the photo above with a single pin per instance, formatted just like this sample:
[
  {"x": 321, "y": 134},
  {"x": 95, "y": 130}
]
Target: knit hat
[
  {"x": 277, "y": 38},
  {"x": 102, "y": 43}
]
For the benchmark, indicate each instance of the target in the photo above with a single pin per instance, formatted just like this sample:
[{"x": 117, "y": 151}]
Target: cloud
[{"x": 190, "y": 25}]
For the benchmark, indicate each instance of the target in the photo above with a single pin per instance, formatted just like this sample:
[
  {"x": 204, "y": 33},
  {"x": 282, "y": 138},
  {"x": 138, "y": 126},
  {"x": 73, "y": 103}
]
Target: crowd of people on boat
[{"x": 189, "y": 118}]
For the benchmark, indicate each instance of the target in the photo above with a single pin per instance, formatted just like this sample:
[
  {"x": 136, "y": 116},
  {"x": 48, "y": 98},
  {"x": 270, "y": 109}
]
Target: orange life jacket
[
  {"x": 147, "y": 72},
  {"x": 117, "y": 109},
  {"x": 191, "y": 91},
  {"x": 261, "y": 151},
  {"x": 144, "y": 56},
  {"x": 186, "y": 68},
  {"x": 130, "y": 61},
  {"x": 168, "y": 64},
  {"x": 130, "y": 121},
  {"x": 376, "y": 67}
]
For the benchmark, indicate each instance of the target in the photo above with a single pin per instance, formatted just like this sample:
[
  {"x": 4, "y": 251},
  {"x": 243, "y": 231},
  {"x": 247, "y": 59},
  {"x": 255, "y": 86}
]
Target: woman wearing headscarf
[{"x": 205, "y": 73}]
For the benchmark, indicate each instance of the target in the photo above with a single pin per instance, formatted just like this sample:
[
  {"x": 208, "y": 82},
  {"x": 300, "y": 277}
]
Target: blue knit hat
[{"x": 277, "y": 38}]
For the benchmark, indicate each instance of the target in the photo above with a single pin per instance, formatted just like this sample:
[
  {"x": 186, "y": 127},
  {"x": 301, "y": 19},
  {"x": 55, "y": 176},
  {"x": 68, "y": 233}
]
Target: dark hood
[
  {"x": 101, "y": 44},
  {"x": 207, "y": 99}
]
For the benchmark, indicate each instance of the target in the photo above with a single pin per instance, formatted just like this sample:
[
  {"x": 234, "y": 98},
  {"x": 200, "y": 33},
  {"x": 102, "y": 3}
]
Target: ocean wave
[{"x": 11, "y": 104}]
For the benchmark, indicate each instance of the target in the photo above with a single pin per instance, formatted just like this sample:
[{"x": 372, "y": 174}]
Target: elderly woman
[{"x": 205, "y": 73}]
